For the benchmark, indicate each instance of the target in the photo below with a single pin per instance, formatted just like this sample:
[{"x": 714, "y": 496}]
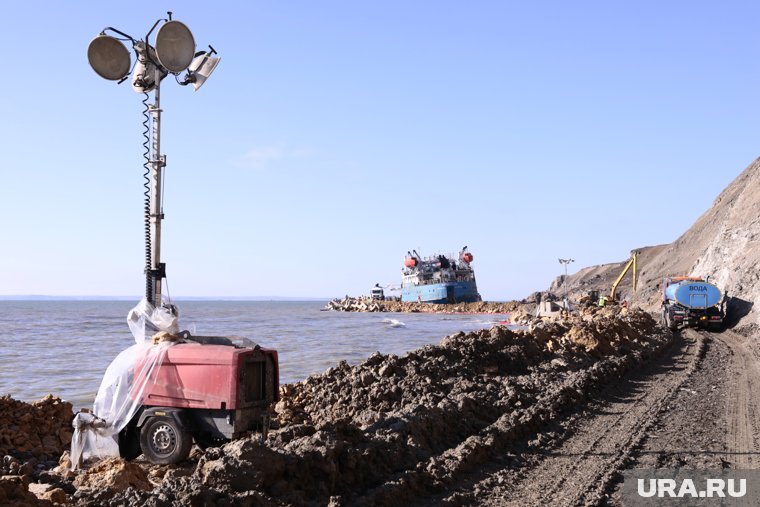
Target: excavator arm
[{"x": 631, "y": 263}]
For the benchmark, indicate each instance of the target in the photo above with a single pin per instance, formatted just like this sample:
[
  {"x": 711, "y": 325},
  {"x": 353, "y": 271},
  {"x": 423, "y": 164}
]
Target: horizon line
[{"x": 46, "y": 297}]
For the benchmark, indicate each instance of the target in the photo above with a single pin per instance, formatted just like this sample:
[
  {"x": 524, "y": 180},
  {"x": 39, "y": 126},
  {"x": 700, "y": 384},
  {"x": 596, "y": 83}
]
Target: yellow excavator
[{"x": 604, "y": 300}]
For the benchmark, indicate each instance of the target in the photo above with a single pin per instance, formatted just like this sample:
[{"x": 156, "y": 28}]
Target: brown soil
[
  {"x": 546, "y": 416},
  {"x": 41, "y": 429},
  {"x": 404, "y": 429}
]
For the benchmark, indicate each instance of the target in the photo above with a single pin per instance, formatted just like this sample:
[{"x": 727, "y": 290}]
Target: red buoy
[{"x": 467, "y": 257}]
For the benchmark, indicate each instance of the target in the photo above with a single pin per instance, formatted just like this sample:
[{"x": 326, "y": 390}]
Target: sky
[{"x": 335, "y": 136}]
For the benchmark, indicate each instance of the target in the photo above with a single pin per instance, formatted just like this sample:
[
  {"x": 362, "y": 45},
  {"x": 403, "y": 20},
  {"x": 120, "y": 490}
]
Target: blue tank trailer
[{"x": 692, "y": 302}]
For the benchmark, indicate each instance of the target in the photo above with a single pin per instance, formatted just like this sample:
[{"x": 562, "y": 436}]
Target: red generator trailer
[{"x": 206, "y": 389}]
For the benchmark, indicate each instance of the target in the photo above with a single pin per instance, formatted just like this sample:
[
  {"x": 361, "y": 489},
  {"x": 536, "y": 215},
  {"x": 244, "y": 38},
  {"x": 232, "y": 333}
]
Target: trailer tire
[
  {"x": 164, "y": 441},
  {"x": 673, "y": 326}
]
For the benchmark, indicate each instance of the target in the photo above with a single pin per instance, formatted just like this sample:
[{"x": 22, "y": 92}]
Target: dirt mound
[
  {"x": 114, "y": 474},
  {"x": 32, "y": 437},
  {"x": 724, "y": 244},
  {"x": 41, "y": 429},
  {"x": 14, "y": 492},
  {"x": 391, "y": 427}
]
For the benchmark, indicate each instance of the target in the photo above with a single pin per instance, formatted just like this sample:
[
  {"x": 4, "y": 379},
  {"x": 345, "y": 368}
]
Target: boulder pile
[
  {"x": 360, "y": 304},
  {"x": 401, "y": 427},
  {"x": 365, "y": 304}
]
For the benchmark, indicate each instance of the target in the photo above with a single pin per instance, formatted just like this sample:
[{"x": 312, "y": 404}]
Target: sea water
[{"x": 64, "y": 347}]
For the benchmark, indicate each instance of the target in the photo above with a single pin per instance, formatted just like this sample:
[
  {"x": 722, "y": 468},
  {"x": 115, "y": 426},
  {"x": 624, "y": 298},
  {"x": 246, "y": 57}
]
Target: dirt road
[
  {"x": 742, "y": 402},
  {"x": 694, "y": 407}
]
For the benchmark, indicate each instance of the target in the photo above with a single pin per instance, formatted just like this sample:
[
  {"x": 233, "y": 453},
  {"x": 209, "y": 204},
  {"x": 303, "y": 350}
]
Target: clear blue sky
[{"x": 335, "y": 136}]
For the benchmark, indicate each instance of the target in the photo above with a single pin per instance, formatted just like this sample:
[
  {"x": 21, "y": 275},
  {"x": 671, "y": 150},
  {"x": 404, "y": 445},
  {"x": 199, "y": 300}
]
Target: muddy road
[{"x": 696, "y": 406}]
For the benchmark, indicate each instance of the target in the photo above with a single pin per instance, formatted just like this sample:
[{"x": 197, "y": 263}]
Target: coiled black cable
[{"x": 146, "y": 176}]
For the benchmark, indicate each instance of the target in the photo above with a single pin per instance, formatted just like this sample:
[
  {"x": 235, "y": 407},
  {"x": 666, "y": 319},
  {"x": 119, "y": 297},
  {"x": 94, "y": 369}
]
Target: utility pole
[{"x": 564, "y": 280}]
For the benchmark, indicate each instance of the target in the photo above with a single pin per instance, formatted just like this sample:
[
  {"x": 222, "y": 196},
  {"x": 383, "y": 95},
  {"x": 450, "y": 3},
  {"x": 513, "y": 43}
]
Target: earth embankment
[
  {"x": 399, "y": 428},
  {"x": 553, "y": 414}
]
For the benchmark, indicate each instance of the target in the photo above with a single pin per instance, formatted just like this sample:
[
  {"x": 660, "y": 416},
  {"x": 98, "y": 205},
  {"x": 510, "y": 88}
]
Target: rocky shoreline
[
  {"x": 365, "y": 304},
  {"x": 391, "y": 429}
]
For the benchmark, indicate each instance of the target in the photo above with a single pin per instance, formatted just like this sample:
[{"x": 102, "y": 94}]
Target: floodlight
[
  {"x": 175, "y": 46},
  {"x": 200, "y": 69},
  {"x": 108, "y": 57}
]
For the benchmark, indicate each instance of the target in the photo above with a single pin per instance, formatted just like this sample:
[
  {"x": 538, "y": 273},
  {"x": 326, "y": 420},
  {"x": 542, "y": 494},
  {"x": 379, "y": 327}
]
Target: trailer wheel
[{"x": 164, "y": 441}]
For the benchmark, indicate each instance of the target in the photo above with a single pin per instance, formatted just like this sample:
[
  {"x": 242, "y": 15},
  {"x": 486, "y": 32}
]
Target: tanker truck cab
[
  {"x": 377, "y": 293},
  {"x": 691, "y": 302}
]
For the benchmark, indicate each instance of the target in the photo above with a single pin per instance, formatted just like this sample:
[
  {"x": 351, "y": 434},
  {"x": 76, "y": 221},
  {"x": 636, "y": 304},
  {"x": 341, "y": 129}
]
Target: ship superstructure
[{"x": 439, "y": 278}]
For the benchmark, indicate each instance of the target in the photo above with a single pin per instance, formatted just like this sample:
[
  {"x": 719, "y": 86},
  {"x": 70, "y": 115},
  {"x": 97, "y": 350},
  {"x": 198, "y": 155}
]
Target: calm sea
[{"x": 64, "y": 347}]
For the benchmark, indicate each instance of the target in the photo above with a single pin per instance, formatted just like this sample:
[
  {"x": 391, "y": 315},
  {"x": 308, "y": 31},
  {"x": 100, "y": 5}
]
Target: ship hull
[{"x": 442, "y": 293}]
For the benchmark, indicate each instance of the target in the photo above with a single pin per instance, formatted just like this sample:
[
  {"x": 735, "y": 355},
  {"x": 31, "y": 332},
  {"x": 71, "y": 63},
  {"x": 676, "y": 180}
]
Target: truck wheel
[
  {"x": 669, "y": 322},
  {"x": 164, "y": 441}
]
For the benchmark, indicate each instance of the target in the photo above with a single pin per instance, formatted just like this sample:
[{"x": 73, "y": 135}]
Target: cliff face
[{"x": 724, "y": 244}]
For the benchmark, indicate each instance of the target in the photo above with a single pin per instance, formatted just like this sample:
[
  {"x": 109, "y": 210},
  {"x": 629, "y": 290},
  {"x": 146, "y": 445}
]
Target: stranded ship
[{"x": 439, "y": 279}]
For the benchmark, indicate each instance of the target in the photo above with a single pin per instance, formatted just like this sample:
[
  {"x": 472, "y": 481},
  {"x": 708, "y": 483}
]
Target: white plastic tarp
[{"x": 122, "y": 390}]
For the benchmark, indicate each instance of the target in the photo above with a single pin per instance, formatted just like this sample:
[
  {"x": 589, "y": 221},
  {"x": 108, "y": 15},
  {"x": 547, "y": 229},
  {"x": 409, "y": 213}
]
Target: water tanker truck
[{"x": 691, "y": 302}]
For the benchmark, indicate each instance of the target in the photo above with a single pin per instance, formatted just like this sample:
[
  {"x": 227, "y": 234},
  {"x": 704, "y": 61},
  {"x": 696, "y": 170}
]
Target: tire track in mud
[
  {"x": 742, "y": 442},
  {"x": 597, "y": 443}
]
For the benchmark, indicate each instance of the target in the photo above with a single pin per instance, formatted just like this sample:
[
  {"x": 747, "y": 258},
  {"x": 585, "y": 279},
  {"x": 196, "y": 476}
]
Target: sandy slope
[{"x": 724, "y": 243}]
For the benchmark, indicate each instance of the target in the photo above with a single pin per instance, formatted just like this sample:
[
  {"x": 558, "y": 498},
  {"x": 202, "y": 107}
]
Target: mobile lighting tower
[
  {"x": 172, "y": 52},
  {"x": 202, "y": 389}
]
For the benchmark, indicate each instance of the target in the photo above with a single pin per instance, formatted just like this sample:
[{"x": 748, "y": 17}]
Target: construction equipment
[
  {"x": 691, "y": 302},
  {"x": 377, "y": 293},
  {"x": 170, "y": 388},
  {"x": 206, "y": 389},
  {"x": 613, "y": 292}
]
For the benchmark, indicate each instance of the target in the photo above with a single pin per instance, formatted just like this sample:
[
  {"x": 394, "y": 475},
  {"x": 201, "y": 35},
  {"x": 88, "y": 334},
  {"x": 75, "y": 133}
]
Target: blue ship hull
[{"x": 446, "y": 292}]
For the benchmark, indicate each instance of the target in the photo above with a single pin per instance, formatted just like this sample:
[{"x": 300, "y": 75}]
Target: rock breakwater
[{"x": 364, "y": 304}]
